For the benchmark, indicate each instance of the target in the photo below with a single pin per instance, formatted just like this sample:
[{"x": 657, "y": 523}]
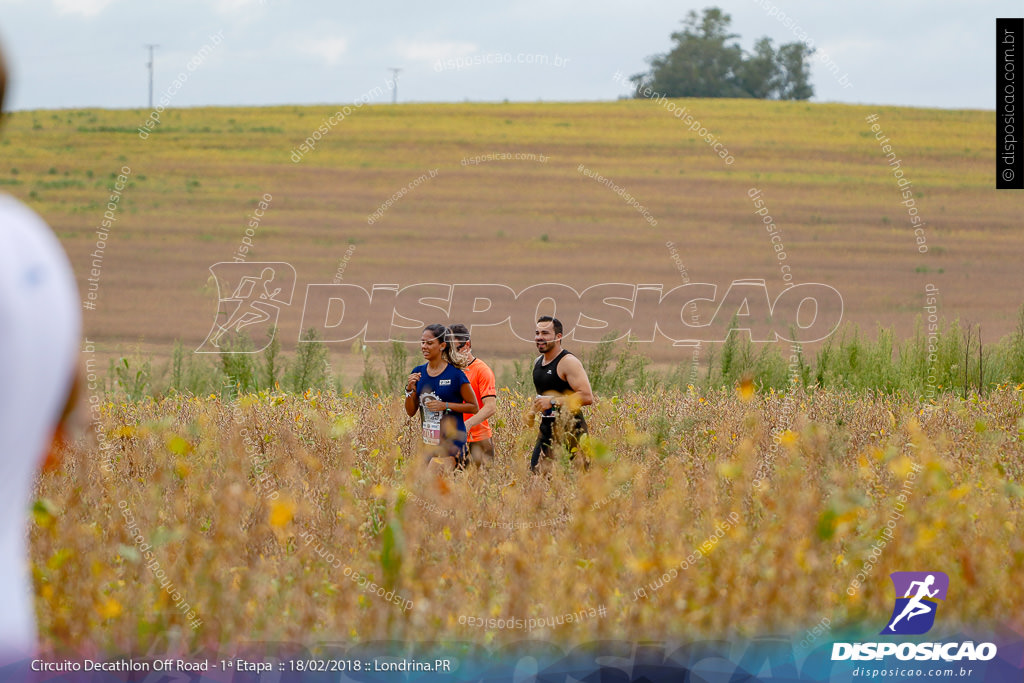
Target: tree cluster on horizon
[{"x": 706, "y": 61}]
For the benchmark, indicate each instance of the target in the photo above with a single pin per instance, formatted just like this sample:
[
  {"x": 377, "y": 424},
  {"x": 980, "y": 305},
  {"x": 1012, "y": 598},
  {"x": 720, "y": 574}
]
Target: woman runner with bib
[{"x": 441, "y": 392}]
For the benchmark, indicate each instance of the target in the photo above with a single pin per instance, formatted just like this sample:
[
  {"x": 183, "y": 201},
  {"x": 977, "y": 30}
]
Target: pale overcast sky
[{"x": 89, "y": 53}]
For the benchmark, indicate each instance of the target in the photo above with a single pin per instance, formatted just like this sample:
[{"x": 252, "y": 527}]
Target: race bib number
[{"x": 431, "y": 421}]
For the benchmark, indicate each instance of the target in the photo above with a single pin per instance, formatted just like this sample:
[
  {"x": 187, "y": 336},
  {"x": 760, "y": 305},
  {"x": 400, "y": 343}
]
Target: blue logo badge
[{"x": 917, "y": 596}]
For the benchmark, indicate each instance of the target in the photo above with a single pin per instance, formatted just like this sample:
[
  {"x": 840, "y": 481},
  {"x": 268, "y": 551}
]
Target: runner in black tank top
[
  {"x": 545, "y": 377},
  {"x": 555, "y": 388}
]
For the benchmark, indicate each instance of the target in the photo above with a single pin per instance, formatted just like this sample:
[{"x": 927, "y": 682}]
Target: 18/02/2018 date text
[{"x": 390, "y": 664}]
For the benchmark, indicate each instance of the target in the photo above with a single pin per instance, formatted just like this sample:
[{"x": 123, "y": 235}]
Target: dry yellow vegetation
[{"x": 276, "y": 517}]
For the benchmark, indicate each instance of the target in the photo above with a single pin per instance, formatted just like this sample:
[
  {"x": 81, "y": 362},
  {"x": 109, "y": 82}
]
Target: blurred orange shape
[
  {"x": 281, "y": 512},
  {"x": 110, "y": 609},
  {"x": 746, "y": 389}
]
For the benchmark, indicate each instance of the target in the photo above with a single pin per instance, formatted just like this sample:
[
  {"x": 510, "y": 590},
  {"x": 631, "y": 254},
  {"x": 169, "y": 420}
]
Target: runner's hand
[
  {"x": 538, "y": 404},
  {"x": 413, "y": 380},
  {"x": 435, "y": 406}
]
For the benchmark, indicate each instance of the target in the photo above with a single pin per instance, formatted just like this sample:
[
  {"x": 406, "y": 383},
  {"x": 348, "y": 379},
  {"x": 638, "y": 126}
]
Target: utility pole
[
  {"x": 394, "y": 83},
  {"x": 150, "y": 46}
]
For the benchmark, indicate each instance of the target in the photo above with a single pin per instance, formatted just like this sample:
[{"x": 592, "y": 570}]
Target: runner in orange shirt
[{"x": 481, "y": 378}]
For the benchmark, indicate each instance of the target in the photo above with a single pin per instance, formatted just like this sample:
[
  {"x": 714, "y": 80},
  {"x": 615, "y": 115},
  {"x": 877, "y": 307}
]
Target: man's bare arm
[
  {"x": 577, "y": 378},
  {"x": 490, "y": 407}
]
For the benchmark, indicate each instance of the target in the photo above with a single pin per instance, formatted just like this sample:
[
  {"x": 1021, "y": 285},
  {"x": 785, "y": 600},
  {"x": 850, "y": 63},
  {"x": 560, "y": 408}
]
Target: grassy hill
[{"x": 198, "y": 176}]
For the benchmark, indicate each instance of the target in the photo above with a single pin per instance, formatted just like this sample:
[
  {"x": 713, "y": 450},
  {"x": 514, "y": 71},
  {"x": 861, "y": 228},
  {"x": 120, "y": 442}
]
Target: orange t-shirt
[{"x": 481, "y": 378}]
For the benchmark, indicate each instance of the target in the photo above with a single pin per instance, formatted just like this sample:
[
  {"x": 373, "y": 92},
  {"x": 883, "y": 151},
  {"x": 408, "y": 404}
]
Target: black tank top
[{"x": 545, "y": 377}]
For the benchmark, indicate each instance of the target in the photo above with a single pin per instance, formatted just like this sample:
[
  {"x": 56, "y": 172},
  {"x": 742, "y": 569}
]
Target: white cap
[{"x": 40, "y": 330}]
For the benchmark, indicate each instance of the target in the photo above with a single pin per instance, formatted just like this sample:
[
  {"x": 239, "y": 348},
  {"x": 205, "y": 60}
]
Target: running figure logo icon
[
  {"x": 256, "y": 293},
  {"x": 917, "y": 596}
]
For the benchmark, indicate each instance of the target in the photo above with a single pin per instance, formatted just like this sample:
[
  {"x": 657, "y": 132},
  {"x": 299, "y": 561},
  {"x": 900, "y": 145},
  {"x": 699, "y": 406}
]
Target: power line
[
  {"x": 150, "y": 46},
  {"x": 394, "y": 83}
]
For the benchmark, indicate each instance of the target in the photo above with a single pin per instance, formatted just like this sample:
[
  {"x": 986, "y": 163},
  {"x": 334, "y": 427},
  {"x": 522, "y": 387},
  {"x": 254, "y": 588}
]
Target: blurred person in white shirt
[{"x": 40, "y": 329}]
